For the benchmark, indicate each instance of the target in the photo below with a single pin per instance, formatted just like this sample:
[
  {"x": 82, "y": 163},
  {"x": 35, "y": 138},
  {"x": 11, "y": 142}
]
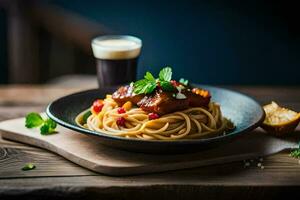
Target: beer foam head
[{"x": 116, "y": 47}]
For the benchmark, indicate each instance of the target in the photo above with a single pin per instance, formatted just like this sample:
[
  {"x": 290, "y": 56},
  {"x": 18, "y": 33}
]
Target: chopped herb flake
[
  {"x": 184, "y": 81},
  {"x": 86, "y": 116},
  {"x": 28, "y": 166},
  {"x": 295, "y": 153}
]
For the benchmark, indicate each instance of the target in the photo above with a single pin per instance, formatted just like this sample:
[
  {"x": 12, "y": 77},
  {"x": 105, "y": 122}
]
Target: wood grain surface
[
  {"x": 59, "y": 178},
  {"x": 89, "y": 153}
]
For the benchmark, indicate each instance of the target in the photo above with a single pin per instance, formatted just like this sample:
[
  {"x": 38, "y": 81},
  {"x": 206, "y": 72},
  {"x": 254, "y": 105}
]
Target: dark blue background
[{"x": 212, "y": 42}]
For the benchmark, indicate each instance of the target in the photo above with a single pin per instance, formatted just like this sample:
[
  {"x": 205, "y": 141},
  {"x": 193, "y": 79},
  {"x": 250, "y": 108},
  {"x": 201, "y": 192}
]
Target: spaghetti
[{"x": 194, "y": 122}]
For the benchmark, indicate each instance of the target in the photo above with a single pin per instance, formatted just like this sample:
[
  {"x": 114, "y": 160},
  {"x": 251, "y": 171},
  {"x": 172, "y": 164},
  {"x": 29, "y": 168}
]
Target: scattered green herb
[
  {"x": 34, "y": 120},
  {"x": 296, "y": 152},
  {"x": 48, "y": 127},
  {"x": 85, "y": 116},
  {"x": 184, "y": 81},
  {"x": 149, "y": 83},
  {"x": 28, "y": 166}
]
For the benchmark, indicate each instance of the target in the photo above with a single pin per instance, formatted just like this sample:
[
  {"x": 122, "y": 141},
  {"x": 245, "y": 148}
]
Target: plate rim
[{"x": 181, "y": 141}]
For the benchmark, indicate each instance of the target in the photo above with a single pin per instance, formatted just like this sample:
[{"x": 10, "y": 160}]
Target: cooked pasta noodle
[{"x": 195, "y": 122}]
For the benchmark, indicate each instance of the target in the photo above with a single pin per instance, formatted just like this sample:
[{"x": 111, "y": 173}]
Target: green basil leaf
[
  {"x": 33, "y": 120},
  {"x": 139, "y": 86},
  {"x": 144, "y": 86},
  {"x": 165, "y": 74},
  {"x": 148, "y": 76},
  {"x": 150, "y": 87}
]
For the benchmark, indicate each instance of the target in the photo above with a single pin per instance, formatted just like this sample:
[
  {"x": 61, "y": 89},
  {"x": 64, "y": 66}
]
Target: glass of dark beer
[{"x": 117, "y": 58}]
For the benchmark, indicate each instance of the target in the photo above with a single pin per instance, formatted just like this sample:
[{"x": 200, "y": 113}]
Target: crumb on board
[{"x": 258, "y": 162}]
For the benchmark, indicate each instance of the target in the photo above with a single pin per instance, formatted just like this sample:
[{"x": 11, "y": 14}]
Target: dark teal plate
[{"x": 244, "y": 112}]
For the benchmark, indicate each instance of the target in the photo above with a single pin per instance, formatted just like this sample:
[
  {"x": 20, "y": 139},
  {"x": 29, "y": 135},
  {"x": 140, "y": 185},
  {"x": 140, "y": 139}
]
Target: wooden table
[{"x": 57, "y": 177}]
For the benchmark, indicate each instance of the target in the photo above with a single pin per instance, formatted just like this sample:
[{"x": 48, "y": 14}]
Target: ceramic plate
[{"x": 244, "y": 112}]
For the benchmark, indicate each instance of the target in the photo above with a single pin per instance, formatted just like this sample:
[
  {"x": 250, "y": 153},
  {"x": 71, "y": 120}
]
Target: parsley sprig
[
  {"x": 28, "y": 166},
  {"x": 34, "y": 120},
  {"x": 146, "y": 85},
  {"x": 295, "y": 153},
  {"x": 149, "y": 83}
]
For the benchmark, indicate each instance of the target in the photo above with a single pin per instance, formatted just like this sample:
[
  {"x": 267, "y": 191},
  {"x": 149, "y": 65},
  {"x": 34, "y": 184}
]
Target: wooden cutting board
[{"x": 87, "y": 152}]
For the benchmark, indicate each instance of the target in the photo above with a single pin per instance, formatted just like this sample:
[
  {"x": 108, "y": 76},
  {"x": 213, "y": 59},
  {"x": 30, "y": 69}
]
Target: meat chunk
[
  {"x": 198, "y": 97},
  {"x": 124, "y": 94},
  {"x": 162, "y": 102}
]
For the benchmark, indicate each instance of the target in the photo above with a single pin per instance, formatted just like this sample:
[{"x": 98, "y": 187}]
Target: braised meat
[
  {"x": 162, "y": 103},
  {"x": 124, "y": 94},
  {"x": 197, "y": 97}
]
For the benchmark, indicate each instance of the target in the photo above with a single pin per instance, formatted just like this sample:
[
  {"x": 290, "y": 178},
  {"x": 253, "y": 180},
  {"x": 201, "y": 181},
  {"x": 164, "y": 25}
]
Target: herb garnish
[
  {"x": 166, "y": 86},
  {"x": 144, "y": 86},
  {"x": 296, "y": 152},
  {"x": 165, "y": 74},
  {"x": 28, "y": 166},
  {"x": 48, "y": 127},
  {"x": 149, "y": 83},
  {"x": 184, "y": 81},
  {"x": 86, "y": 116},
  {"x": 34, "y": 120}
]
